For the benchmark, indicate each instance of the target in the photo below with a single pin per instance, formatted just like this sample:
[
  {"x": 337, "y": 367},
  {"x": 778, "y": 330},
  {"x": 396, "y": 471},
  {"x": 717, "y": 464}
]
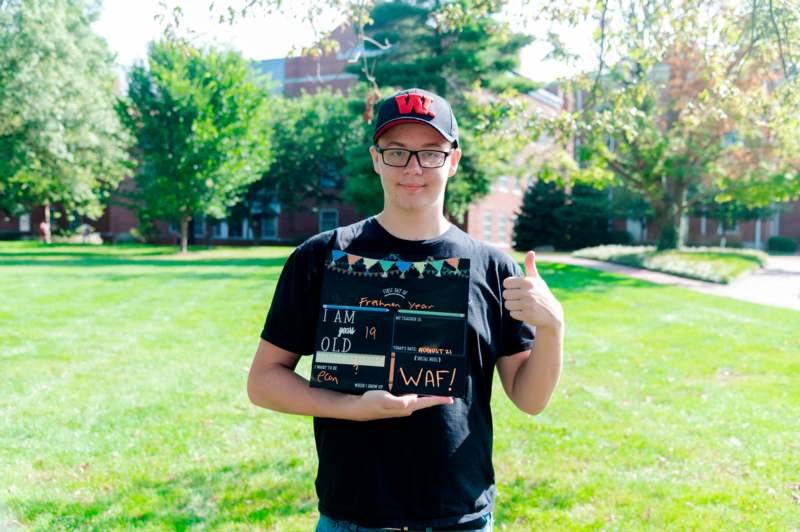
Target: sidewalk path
[{"x": 778, "y": 284}]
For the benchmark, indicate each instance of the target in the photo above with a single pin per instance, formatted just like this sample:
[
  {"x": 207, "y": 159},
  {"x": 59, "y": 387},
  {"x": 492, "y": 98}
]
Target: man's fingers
[
  {"x": 517, "y": 283},
  {"x": 398, "y": 402},
  {"x": 530, "y": 265},
  {"x": 513, "y": 293},
  {"x": 430, "y": 400},
  {"x": 514, "y": 304}
]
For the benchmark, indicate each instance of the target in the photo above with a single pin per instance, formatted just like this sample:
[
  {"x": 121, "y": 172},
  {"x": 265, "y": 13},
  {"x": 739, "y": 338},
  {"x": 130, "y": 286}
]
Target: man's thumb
[{"x": 530, "y": 265}]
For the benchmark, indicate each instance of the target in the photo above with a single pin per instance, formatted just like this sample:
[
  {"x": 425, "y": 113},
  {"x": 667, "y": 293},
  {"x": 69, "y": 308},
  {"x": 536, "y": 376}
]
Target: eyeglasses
[{"x": 399, "y": 157}]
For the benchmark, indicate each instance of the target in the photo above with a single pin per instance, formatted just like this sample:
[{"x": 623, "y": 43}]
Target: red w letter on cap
[{"x": 420, "y": 104}]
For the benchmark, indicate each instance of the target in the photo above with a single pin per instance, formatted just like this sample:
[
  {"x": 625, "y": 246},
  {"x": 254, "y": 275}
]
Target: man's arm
[
  {"x": 273, "y": 384},
  {"x": 529, "y": 377}
]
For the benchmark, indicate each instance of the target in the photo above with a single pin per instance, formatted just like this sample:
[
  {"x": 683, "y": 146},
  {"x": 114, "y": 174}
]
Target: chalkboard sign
[{"x": 390, "y": 324}]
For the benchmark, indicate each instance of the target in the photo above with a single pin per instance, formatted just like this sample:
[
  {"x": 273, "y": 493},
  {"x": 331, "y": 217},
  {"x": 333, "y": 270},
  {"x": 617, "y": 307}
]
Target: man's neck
[{"x": 413, "y": 225}]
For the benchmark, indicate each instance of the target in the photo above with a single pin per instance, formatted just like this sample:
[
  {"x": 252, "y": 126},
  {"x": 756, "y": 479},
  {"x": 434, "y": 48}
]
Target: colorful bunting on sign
[
  {"x": 403, "y": 266},
  {"x": 391, "y": 266},
  {"x": 420, "y": 267},
  {"x": 386, "y": 264}
]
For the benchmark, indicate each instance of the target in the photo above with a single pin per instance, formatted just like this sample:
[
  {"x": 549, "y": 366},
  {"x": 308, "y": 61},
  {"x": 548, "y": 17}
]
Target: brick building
[{"x": 490, "y": 219}]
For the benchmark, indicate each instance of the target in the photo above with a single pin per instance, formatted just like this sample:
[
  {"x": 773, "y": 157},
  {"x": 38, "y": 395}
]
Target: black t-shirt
[{"x": 433, "y": 467}]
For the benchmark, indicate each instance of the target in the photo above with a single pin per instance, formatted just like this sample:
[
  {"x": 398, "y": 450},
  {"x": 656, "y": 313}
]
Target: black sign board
[{"x": 389, "y": 324}]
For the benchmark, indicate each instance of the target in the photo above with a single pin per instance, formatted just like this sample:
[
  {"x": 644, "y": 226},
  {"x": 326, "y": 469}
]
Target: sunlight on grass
[
  {"x": 717, "y": 265},
  {"x": 123, "y": 402}
]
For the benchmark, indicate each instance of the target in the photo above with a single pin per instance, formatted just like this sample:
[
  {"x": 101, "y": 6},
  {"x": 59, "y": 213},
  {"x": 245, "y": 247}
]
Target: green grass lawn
[
  {"x": 717, "y": 265},
  {"x": 123, "y": 403}
]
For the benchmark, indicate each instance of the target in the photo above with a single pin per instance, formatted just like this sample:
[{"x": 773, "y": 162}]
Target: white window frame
[
  {"x": 328, "y": 211},
  {"x": 271, "y": 222},
  {"x": 722, "y": 230},
  {"x": 502, "y": 183},
  {"x": 220, "y": 230},
  {"x": 488, "y": 222},
  {"x": 25, "y": 223},
  {"x": 199, "y": 221},
  {"x": 502, "y": 228}
]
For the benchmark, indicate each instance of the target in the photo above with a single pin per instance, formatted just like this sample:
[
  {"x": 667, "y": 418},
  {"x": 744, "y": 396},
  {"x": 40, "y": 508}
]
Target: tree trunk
[
  {"x": 669, "y": 227},
  {"x": 185, "y": 234},
  {"x": 667, "y": 231},
  {"x": 669, "y": 220},
  {"x": 46, "y": 227}
]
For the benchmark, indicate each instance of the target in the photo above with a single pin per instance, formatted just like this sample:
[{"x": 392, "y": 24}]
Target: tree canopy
[
  {"x": 312, "y": 137},
  {"x": 470, "y": 62},
  {"x": 200, "y": 120},
  {"x": 698, "y": 102},
  {"x": 60, "y": 138}
]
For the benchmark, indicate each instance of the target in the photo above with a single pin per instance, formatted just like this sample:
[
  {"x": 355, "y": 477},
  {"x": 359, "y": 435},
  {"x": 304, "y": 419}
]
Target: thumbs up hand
[{"x": 529, "y": 299}]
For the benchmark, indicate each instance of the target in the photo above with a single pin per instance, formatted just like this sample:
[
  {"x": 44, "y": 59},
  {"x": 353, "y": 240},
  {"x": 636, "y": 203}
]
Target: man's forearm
[
  {"x": 536, "y": 378},
  {"x": 281, "y": 389}
]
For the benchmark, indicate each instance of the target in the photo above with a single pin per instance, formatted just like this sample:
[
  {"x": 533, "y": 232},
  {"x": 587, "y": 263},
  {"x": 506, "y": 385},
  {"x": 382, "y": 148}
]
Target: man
[{"x": 412, "y": 462}]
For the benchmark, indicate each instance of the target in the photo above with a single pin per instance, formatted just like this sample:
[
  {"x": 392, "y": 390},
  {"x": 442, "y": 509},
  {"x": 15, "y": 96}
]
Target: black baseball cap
[{"x": 417, "y": 105}]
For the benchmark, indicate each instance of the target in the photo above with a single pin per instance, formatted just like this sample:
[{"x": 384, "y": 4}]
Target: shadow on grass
[
  {"x": 564, "y": 277},
  {"x": 104, "y": 260},
  {"x": 223, "y": 496}
]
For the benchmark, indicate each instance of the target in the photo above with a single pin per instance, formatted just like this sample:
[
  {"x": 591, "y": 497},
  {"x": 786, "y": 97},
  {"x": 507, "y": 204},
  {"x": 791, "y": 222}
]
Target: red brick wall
[{"x": 790, "y": 222}]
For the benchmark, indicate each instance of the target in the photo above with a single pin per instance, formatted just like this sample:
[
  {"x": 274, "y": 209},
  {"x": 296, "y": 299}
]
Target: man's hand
[
  {"x": 379, "y": 404},
  {"x": 529, "y": 299}
]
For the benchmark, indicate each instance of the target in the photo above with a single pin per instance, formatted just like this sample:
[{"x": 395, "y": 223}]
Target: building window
[
  {"x": 502, "y": 229},
  {"x": 25, "y": 223},
  {"x": 518, "y": 187},
  {"x": 487, "y": 226},
  {"x": 328, "y": 219},
  {"x": 235, "y": 229},
  {"x": 221, "y": 229},
  {"x": 269, "y": 220},
  {"x": 199, "y": 226},
  {"x": 726, "y": 228},
  {"x": 502, "y": 183},
  {"x": 269, "y": 227}
]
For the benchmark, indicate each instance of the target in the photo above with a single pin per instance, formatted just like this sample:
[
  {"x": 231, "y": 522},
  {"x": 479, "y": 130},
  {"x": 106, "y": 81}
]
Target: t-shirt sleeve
[
  {"x": 517, "y": 335},
  {"x": 292, "y": 318}
]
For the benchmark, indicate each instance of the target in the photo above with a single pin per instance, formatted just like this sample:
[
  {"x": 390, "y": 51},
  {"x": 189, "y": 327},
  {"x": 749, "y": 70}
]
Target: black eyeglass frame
[{"x": 413, "y": 153}]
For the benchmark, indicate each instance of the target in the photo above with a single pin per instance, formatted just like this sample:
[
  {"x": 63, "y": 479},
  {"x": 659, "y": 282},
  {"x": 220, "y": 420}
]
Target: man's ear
[
  {"x": 454, "y": 158},
  {"x": 376, "y": 159}
]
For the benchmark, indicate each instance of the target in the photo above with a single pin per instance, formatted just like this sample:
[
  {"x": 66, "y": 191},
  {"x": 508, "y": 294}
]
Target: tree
[
  {"x": 61, "y": 141},
  {"x": 699, "y": 103},
  {"x": 312, "y": 139},
  {"x": 538, "y": 222},
  {"x": 200, "y": 121},
  {"x": 552, "y": 217},
  {"x": 467, "y": 59}
]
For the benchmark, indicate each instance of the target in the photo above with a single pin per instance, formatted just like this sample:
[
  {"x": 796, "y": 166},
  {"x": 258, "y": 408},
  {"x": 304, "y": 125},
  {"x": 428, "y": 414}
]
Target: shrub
[
  {"x": 550, "y": 217},
  {"x": 621, "y": 237},
  {"x": 781, "y": 244}
]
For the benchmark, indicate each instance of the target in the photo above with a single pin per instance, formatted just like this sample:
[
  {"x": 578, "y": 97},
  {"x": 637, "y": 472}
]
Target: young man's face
[{"x": 414, "y": 188}]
